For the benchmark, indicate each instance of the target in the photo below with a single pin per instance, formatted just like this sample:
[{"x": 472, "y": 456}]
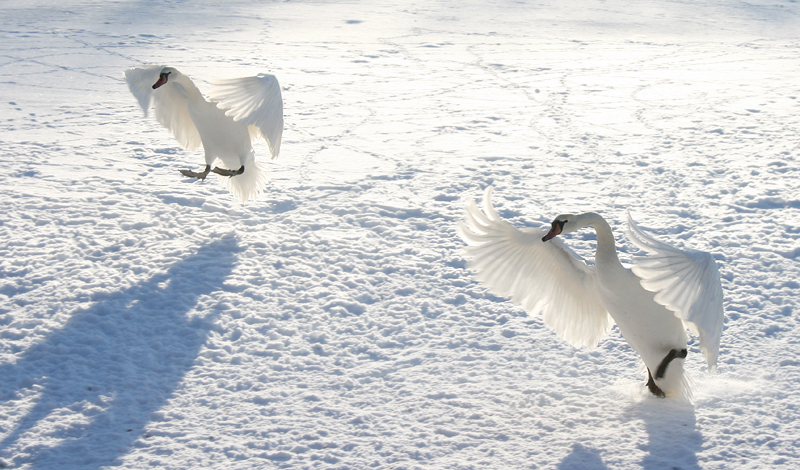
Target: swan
[
  {"x": 653, "y": 302},
  {"x": 238, "y": 112}
]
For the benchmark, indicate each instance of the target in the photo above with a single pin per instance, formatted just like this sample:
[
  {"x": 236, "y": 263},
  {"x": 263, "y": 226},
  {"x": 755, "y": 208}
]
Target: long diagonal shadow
[{"x": 101, "y": 376}]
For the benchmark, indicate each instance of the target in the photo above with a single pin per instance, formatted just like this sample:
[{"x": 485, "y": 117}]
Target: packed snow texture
[{"x": 150, "y": 320}]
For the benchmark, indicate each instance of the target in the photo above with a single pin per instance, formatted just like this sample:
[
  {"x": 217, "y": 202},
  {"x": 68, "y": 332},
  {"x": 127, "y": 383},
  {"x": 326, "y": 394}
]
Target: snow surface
[{"x": 147, "y": 320}]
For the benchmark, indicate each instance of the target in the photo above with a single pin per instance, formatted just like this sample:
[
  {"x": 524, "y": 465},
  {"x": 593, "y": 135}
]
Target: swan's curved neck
[
  {"x": 606, "y": 246},
  {"x": 188, "y": 87}
]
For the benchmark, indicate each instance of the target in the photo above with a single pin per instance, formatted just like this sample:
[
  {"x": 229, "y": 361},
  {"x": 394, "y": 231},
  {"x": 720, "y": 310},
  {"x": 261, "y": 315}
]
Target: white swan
[
  {"x": 653, "y": 303},
  {"x": 239, "y": 111}
]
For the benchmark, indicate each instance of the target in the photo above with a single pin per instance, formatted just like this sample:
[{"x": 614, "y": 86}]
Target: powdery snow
[{"x": 147, "y": 320}]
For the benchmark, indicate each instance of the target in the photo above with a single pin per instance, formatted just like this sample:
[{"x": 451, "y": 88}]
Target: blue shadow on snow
[
  {"x": 582, "y": 458},
  {"x": 103, "y": 375},
  {"x": 673, "y": 438}
]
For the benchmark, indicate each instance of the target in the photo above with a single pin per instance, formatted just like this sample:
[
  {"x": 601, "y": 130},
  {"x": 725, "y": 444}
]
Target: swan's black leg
[
  {"x": 195, "y": 174},
  {"x": 672, "y": 354},
  {"x": 651, "y": 385},
  {"x": 227, "y": 172}
]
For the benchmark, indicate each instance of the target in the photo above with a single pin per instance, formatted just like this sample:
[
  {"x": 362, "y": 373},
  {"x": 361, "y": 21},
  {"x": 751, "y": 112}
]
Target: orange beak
[{"x": 555, "y": 229}]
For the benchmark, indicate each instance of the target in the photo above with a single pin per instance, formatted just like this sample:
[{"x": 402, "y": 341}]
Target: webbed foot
[
  {"x": 227, "y": 172},
  {"x": 651, "y": 385},
  {"x": 197, "y": 174}
]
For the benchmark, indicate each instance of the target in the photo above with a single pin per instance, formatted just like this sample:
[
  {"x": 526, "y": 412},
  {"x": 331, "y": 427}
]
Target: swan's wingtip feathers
[
  {"x": 543, "y": 278},
  {"x": 467, "y": 235},
  {"x": 710, "y": 336},
  {"x": 487, "y": 193},
  {"x": 488, "y": 205},
  {"x": 254, "y": 101},
  {"x": 686, "y": 282},
  {"x": 275, "y": 143},
  {"x": 140, "y": 81},
  {"x": 168, "y": 104}
]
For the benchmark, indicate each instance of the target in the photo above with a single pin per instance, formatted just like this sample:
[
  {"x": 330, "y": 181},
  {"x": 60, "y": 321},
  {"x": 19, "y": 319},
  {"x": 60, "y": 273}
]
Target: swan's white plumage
[
  {"x": 239, "y": 111},
  {"x": 254, "y": 101},
  {"x": 686, "y": 282},
  {"x": 581, "y": 302},
  {"x": 140, "y": 82},
  {"x": 542, "y": 277},
  {"x": 248, "y": 185},
  {"x": 170, "y": 104}
]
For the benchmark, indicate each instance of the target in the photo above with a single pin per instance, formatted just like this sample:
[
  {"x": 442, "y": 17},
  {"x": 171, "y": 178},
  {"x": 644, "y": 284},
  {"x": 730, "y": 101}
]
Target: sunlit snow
[{"x": 148, "y": 320}]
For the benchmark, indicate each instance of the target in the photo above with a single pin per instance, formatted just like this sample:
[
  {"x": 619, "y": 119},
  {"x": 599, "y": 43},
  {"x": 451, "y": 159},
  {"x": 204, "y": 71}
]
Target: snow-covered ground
[{"x": 147, "y": 320}]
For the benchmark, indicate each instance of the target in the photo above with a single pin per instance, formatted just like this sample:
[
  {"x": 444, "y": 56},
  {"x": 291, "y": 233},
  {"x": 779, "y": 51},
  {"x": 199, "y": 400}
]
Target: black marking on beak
[
  {"x": 556, "y": 227},
  {"x": 162, "y": 79}
]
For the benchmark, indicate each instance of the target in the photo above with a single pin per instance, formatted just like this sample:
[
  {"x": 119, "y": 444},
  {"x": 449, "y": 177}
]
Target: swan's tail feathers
[
  {"x": 680, "y": 386},
  {"x": 250, "y": 183}
]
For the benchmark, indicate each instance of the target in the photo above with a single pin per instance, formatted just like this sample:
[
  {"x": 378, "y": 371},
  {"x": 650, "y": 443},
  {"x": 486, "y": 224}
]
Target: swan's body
[
  {"x": 238, "y": 111},
  {"x": 652, "y": 304}
]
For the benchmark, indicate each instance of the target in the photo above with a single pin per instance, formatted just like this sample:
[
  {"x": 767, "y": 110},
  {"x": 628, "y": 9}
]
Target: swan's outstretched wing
[
  {"x": 685, "y": 282},
  {"x": 543, "y": 277},
  {"x": 168, "y": 101},
  {"x": 255, "y": 101}
]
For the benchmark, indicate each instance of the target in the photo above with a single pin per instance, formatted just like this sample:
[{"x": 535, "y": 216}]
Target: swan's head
[
  {"x": 564, "y": 223},
  {"x": 163, "y": 77}
]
